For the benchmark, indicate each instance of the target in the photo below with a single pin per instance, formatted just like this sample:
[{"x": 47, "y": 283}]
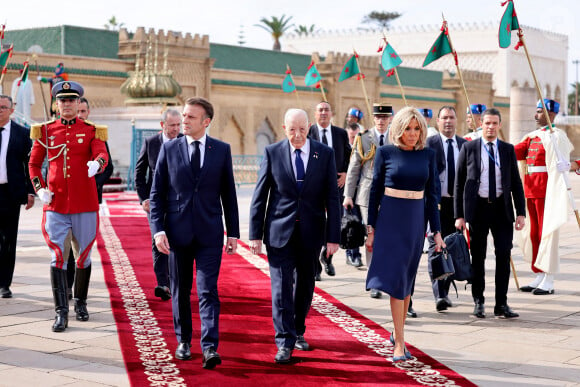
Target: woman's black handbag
[
  {"x": 352, "y": 230},
  {"x": 441, "y": 265},
  {"x": 459, "y": 253}
]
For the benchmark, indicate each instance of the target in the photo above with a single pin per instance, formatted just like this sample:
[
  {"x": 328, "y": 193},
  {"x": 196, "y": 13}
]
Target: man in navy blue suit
[
  {"x": 15, "y": 189},
  {"x": 446, "y": 145},
  {"x": 337, "y": 139},
  {"x": 144, "y": 170},
  {"x": 193, "y": 181},
  {"x": 487, "y": 189},
  {"x": 295, "y": 210}
]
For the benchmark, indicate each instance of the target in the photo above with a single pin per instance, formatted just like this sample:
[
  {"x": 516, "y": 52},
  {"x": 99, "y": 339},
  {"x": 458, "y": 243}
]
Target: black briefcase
[
  {"x": 352, "y": 230},
  {"x": 459, "y": 252},
  {"x": 441, "y": 265}
]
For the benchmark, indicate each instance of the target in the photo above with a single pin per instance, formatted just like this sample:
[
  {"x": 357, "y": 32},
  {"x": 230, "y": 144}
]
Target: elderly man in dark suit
[
  {"x": 337, "y": 139},
  {"x": 193, "y": 181},
  {"x": 295, "y": 209},
  {"x": 487, "y": 181},
  {"x": 15, "y": 189},
  {"x": 446, "y": 145},
  {"x": 144, "y": 170}
]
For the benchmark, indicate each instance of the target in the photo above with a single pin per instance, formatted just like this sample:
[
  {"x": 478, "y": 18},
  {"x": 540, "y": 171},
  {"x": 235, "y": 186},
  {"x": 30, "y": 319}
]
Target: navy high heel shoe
[{"x": 407, "y": 356}]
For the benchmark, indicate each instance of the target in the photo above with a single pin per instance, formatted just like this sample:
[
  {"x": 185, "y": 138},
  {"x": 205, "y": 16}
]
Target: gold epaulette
[
  {"x": 36, "y": 129},
  {"x": 102, "y": 132}
]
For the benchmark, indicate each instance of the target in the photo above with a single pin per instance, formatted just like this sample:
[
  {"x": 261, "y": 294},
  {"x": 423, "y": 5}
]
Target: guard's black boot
[
  {"x": 59, "y": 287},
  {"x": 82, "y": 278}
]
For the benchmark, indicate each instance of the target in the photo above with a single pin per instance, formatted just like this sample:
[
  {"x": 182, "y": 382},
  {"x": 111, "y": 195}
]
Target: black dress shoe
[
  {"x": 376, "y": 293},
  {"x": 441, "y": 304},
  {"x": 504, "y": 311},
  {"x": 301, "y": 344},
  {"x": 283, "y": 355},
  {"x": 527, "y": 289},
  {"x": 163, "y": 292},
  {"x": 183, "y": 351},
  {"x": 317, "y": 277},
  {"x": 5, "y": 292},
  {"x": 542, "y": 292},
  {"x": 411, "y": 312},
  {"x": 357, "y": 261},
  {"x": 479, "y": 310},
  {"x": 211, "y": 359},
  {"x": 327, "y": 264}
]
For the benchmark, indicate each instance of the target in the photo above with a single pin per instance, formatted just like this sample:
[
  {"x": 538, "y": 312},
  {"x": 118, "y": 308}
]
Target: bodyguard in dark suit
[
  {"x": 337, "y": 139},
  {"x": 193, "y": 181},
  {"x": 295, "y": 209},
  {"x": 144, "y": 170},
  {"x": 15, "y": 188},
  {"x": 487, "y": 181},
  {"x": 446, "y": 145}
]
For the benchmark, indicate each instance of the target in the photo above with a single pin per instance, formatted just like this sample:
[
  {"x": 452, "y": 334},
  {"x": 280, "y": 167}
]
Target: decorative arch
[
  {"x": 264, "y": 136},
  {"x": 233, "y": 134},
  {"x": 558, "y": 94},
  {"x": 548, "y": 91}
]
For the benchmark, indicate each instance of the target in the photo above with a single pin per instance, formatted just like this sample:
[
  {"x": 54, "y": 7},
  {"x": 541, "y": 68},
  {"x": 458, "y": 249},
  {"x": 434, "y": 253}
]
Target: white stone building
[{"x": 477, "y": 48}]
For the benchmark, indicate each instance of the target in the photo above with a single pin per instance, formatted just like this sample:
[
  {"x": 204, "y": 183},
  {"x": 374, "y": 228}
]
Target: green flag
[
  {"x": 24, "y": 76},
  {"x": 508, "y": 23},
  {"x": 350, "y": 69},
  {"x": 4, "y": 57},
  {"x": 312, "y": 77},
  {"x": 390, "y": 59},
  {"x": 440, "y": 48},
  {"x": 288, "y": 85}
]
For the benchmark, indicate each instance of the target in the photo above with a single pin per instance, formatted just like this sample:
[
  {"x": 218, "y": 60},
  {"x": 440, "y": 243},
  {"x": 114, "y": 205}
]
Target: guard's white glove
[
  {"x": 94, "y": 167},
  {"x": 44, "y": 195},
  {"x": 563, "y": 166},
  {"x": 39, "y": 78}
]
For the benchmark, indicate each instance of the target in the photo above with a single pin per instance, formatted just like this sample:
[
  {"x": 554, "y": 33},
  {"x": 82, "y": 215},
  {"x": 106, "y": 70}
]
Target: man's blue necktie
[
  {"x": 299, "y": 169},
  {"x": 196, "y": 159}
]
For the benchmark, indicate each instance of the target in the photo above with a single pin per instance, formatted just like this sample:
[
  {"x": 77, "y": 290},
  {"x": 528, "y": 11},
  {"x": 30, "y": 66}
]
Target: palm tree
[
  {"x": 305, "y": 30},
  {"x": 113, "y": 24},
  {"x": 572, "y": 110},
  {"x": 276, "y": 27}
]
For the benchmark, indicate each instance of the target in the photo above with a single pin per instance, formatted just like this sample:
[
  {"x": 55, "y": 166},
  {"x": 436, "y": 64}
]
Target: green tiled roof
[
  {"x": 256, "y": 60},
  {"x": 66, "y": 40},
  {"x": 426, "y": 79}
]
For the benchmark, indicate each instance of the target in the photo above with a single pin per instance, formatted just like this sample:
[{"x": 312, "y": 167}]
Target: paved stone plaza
[{"x": 540, "y": 348}]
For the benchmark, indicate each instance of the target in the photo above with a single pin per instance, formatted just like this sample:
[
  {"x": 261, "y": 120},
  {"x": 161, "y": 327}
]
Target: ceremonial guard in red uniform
[
  {"x": 70, "y": 197},
  {"x": 544, "y": 156}
]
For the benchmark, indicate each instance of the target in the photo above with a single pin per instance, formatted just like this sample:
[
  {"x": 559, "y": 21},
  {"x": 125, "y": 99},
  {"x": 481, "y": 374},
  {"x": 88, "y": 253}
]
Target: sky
[{"x": 223, "y": 20}]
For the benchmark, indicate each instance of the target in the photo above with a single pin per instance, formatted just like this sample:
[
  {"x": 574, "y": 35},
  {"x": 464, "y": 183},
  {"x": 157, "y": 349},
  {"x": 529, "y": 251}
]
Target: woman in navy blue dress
[{"x": 404, "y": 196}]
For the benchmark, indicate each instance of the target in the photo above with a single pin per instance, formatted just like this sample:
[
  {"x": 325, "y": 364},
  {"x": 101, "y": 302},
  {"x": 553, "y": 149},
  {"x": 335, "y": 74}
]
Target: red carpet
[{"x": 347, "y": 347}]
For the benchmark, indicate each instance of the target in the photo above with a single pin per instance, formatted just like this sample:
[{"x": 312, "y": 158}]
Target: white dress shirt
[
  {"x": 3, "y": 153},
  {"x": 328, "y": 134},
  {"x": 484, "y": 176},
  {"x": 303, "y": 155},
  {"x": 190, "y": 148},
  {"x": 443, "y": 176}
]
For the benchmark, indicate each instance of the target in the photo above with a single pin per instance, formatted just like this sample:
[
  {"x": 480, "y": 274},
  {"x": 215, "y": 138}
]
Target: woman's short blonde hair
[{"x": 401, "y": 121}]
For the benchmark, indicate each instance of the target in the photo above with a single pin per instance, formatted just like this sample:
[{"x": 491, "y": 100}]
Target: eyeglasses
[{"x": 2, "y": 108}]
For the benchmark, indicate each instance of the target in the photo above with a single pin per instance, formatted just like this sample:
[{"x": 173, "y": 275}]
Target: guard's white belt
[
  {"x": 535, "y": 169},
  {"x": 403, "y": 194}
]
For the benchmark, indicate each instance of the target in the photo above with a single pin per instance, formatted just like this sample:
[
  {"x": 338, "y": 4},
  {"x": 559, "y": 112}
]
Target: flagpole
[
  {"x": 41, "y": 88},
  {"x": 400, "y": 86},
  {"x": 322, "y": 91},
  {"x": 557, "y": 151},
  {"x": 362, "y": 80},
  {"x": 472, "y": 123},
  {"x": 26, "y": 64},
  {"x": 295, "y": 88}
]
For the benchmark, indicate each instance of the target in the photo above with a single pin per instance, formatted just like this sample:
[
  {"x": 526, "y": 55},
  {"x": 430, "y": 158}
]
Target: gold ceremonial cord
[{"x": 359, "y": 148}]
